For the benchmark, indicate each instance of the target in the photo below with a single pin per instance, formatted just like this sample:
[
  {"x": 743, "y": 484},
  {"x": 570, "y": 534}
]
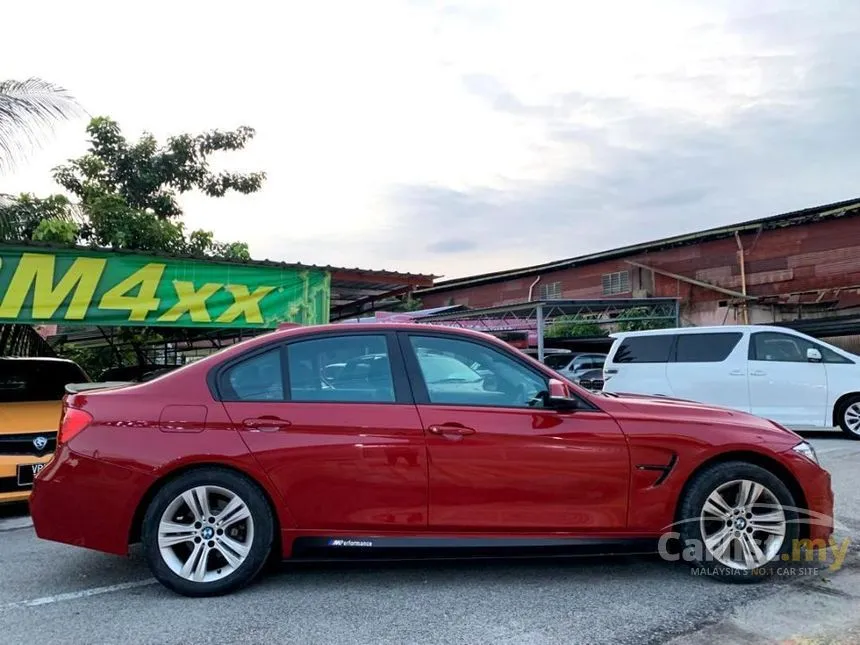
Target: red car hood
[{"x": 630, "y": 406}]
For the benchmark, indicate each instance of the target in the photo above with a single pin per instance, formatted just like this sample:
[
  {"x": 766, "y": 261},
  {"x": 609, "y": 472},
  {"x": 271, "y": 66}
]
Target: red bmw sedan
[{"x": 363, "y": 441}]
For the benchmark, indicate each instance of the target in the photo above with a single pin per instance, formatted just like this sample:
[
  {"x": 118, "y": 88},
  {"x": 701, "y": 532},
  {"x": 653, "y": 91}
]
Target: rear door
[
  {"x": 710, "y": 368},
  {"x": 784, "y": 385},
  {"x": 345, "y": 447}
]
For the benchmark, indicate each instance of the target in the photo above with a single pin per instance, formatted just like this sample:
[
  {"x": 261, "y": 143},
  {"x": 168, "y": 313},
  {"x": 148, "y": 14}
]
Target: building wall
[{"x": 807, "y": 258}]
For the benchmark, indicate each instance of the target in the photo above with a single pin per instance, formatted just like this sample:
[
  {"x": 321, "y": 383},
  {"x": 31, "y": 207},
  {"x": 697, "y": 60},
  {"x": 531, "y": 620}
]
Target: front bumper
[
  {"x": 11, "y": 490},
  {"x": 817, "y": 520}
]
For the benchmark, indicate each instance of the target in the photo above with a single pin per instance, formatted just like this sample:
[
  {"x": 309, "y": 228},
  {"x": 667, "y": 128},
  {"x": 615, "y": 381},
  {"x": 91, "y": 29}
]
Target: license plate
[{"x": 27, "y": 473}]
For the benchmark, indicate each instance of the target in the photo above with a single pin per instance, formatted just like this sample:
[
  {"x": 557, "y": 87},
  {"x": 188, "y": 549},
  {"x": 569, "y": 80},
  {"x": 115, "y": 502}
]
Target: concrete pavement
[{"x": 57, "y": 594}]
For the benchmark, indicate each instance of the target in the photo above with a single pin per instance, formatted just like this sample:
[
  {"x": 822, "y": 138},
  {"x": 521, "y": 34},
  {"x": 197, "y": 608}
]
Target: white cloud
[{"x": 509, "y": 104}]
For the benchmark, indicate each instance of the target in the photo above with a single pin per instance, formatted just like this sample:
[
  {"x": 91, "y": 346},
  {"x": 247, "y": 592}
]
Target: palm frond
[
  {"x": 29, "y": 110},
  {"x": 14, "y": 223}
]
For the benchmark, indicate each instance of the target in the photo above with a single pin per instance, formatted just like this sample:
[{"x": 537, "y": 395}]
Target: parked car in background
[
  {"x": 573, "y": 365},
  {"x": 772, "y": 372},
  {"x": 590, "y": 380},
  {"x": 31, "y": 392},
  {"x": 249, "y": 451}
]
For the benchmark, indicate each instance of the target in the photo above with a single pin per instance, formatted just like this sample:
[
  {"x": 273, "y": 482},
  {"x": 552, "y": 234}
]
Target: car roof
[
  {"x": 308, "y": 331},
  {"x": 703, "y": 330}
]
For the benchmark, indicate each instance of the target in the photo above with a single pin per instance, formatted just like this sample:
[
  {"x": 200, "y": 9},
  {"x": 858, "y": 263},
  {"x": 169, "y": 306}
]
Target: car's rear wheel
[
  {"x": 848, "y": 417},
  {"x": 207, "y": 532},
  {"x": 738, "y": 522}
]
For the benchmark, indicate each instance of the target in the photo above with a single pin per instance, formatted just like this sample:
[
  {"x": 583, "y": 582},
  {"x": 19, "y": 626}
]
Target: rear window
[
  {"x": 706, "y": 348},
  {"x": 31, "y": 380},
  {"x": 644, "y": 349}
]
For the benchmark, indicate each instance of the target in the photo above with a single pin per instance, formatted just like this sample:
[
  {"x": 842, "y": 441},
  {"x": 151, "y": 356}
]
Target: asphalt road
[{"x": 52, "y": 593}]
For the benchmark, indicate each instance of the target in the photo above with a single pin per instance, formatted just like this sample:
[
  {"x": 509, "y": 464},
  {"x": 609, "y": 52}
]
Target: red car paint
[{"x": 404, "y": 469}]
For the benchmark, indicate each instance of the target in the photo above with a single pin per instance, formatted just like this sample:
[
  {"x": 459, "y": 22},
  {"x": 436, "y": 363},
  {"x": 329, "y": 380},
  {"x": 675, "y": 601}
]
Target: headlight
[{"x": 805, "y": 449}]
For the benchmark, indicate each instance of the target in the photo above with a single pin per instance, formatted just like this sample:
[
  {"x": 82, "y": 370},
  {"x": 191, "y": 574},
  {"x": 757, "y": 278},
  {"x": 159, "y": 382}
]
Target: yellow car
[{"x": 31, "y": 393}]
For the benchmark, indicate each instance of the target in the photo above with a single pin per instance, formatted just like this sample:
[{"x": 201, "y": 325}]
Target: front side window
[
  {"x": 786, "y": 348},
  {"x": 645, "y": 349},
  {"x": 345, "y": 369},
  {"x": 779, "y": 348},
  {"x": 445, "y": 366},
  {"x": 258, "y": 378}
]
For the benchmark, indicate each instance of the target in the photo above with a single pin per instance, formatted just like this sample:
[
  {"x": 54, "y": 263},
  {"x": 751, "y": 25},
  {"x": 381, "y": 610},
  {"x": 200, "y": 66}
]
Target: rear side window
[
  {"x": 35, "y": 380},
  {"x": 259, "y": 378},
  {"x": 645, "y": 349},
  {"x": 706, "y": 348}
]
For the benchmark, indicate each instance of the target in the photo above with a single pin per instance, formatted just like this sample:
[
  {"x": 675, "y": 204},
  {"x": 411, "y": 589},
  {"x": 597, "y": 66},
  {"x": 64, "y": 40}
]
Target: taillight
[{"x": 74, "y": 420}]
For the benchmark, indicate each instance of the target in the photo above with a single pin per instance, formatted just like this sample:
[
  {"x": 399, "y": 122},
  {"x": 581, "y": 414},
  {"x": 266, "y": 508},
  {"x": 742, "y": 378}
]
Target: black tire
[
  {"x": 260, "y": 544},
  {"x": 692, "y": 544},
  {"x": 841, "y": 416}
]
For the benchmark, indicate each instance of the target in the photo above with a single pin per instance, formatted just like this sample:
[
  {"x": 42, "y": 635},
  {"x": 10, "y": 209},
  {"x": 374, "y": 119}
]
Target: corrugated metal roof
[
  {"x": 847, "y": 208},
  {"x": 370, "y": 273}
]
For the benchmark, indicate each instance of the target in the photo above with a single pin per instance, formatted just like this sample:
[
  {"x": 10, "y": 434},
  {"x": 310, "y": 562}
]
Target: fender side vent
[{"x": 663, "y": 470}]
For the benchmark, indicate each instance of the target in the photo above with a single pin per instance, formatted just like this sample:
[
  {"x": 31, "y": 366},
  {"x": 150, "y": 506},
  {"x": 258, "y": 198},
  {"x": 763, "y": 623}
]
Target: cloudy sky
[{"x": 461, "y": 137}]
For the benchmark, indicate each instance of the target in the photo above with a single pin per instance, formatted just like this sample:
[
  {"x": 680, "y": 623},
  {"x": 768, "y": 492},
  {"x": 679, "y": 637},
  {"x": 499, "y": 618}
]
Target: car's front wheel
[
  {"x": 207, "y": 532},
  {"x": 739, "y": 522},
  {"x": 848, "y": 417}
]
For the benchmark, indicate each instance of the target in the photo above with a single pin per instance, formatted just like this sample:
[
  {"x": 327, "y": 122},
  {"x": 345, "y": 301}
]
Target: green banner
[{"x": 115, "y": 289}]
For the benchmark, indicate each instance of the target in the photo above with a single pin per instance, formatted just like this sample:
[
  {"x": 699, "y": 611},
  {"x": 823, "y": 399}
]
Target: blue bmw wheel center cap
[{"x": 207, "y": 533}]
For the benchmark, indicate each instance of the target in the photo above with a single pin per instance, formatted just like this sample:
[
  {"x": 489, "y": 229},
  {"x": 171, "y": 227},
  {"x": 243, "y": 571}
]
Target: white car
[
  {"x": 574, "y": 364},
  {"x": 772, "y": 372}
]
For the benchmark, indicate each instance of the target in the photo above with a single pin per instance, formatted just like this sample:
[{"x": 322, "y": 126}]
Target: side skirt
[{"x": 435, "y": 548}]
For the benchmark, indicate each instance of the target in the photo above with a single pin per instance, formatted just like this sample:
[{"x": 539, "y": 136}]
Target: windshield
[{"x": 445, "y": 369}]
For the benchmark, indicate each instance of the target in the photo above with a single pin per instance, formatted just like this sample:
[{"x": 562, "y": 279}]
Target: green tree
[
  {"x": 126, "y": 197},
  {"x": 127, "y": 193},
  {"x": 636, "y": 319},
  {"x": 409, "y": 303},
  {"x": 28, "y": 111},
  {"x": 570, "y": 327}
]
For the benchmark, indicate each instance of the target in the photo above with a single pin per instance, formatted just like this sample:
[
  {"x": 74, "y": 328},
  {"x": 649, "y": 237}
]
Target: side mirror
[
  {"x": 813, "y": 355},
  {"x": 558, "y": 396}
]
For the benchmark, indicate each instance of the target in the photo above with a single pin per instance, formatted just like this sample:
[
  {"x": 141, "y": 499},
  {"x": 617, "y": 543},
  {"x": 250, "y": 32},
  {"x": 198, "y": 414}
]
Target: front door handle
[
  {"x": 758, "y": 373},
  {"x": 266, "y": 424},
  {"x": 451, "y": 429}
]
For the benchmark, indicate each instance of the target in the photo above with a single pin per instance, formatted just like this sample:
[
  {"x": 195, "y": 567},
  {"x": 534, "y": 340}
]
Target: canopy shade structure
[
  {"x": 108, "y": 288},
  {"x": 535, "y": 316}
]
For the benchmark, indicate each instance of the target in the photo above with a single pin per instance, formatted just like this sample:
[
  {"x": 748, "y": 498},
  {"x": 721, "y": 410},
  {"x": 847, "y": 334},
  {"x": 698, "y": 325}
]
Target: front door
[
  {"x": 332, "y": 423},
  {"x": 784, "y": 385},
  {"x": 501, "y": 462}
]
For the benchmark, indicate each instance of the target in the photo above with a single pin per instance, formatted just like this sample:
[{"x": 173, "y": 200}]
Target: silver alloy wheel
[
  {"x": 743, "y": 524},
  {"x": 852, "y": 417},
  {"x": 205, "y": 533}
]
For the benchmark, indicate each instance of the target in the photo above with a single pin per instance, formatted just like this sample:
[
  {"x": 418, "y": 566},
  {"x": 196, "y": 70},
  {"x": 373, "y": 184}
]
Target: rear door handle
[
  {"x": 451, "y": 429},
  {"x": 737, "y": 373},
  {"x": 266, "y": 424}
]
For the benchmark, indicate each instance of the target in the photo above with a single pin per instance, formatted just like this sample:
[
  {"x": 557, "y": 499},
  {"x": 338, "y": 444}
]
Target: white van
[{"x": 772, "y": 372}]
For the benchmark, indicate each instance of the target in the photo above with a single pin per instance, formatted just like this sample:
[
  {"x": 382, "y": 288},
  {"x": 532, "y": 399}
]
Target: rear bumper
[{"x": 86, "y": 502}]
